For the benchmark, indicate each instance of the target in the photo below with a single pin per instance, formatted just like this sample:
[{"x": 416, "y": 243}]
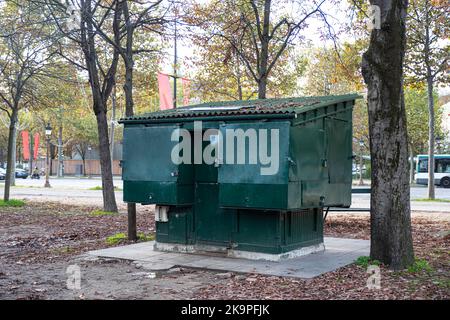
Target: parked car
[
  {"x": 20, "y": 173},
  {"x": 2, "y": 174}
]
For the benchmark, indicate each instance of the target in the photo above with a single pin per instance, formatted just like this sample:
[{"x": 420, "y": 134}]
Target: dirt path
[
  {"x": 40, "y": 241},
  {"x": 102, "y": 279}
]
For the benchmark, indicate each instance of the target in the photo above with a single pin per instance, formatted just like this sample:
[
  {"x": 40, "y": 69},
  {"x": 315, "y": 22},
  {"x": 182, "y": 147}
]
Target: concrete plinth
[
  {"x": 338, "y": 253},
  {"x": 230, "y": 253}
]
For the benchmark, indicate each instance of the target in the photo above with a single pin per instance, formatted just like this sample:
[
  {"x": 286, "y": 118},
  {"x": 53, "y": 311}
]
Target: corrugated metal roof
[{"x": 249, "y": 107}]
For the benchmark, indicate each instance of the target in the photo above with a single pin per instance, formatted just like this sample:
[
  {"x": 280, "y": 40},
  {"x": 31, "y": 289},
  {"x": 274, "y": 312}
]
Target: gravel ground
[{"x": 40, "y": 241}]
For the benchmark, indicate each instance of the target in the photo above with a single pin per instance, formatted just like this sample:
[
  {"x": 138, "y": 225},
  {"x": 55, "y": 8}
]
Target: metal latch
[{"x": 291, "y": 162}]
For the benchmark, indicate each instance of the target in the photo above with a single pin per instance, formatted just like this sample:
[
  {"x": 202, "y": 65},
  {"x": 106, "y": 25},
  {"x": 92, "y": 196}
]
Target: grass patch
[
  {"x": 420, "y": 265},
  {"x": 116, "y": 238},
  {"x": 121, "y": 237},
  {"x": 365, "y": 262},
  {"x": 99, "y": 213},
  {"x": 431, "y": 200},
  {"x": 143, "y": 237},
  {"x": 100, "y": 188},
  {"x": 12, "y": 203}
]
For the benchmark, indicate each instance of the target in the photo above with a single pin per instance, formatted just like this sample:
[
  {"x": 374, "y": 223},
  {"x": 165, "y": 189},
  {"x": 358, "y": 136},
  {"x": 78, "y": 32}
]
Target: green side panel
[
  {"x": 309, "y": 175},
  {"x": 339, "y": 155},
  {"x": 307, "y": 149},
  {"x": 339, "y": 150},
  {"x": 322, "y": 152},
  {"x": 262, "y": 196},
  {"x": 303, "y": 228},
  {"x": 258, "y": 232},
  {"x": 164, "y": 193},
  {"x": 314, "y": 193},
  {"x": 338, "y": 195},
  {"x": 277, "y": 232},
  {"x": 294, "y": 196}
]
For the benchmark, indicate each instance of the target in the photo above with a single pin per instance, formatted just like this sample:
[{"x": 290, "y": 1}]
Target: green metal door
[
  {"x": 149, "y": 174},
  {"x": 213, "y": 225},
  {"x": 251, "y": 183}
]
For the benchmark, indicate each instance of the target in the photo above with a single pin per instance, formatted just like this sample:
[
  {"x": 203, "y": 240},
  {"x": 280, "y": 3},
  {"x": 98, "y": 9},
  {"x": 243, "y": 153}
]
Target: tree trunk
[
  {"x": 262, "y": 88},
  {"x": 127, "y": 56},
  {"x": 11, "y": 151},
  {"x": 84, "y": 166},
  {"x": 60, "y": 152},
  {"x": 382, "y": 69},
  {"x": 113, "y": 119},
  {"x": 262, "y": 72},
  {"x": 361, "y": 164},
  {"x": 100, "y": 95},
  {"x": 129, "y": 111},
  {"x": 411, "y": 164},
  {"x": 13, "y": 158},
  {"x": 431, "y": 193},
  {"x": 238, "y": 78},
  {"x": 109, "y": 199}
]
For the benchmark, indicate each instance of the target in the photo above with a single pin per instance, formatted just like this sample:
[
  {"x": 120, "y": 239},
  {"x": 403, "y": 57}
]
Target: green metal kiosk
[{"x": 243, "y": 178}]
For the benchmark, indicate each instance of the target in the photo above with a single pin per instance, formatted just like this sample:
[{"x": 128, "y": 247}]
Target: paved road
[
  {"x": 66, "y": 183},
  {"x": 67, "y": 190},
  {"x": 75, "y": 190}
]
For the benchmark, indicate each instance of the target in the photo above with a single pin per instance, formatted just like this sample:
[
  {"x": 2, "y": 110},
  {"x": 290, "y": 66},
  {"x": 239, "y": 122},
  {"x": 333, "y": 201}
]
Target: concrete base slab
[
  {"x": 338, "y": 252},
  {"x": 231, "y": 253}
]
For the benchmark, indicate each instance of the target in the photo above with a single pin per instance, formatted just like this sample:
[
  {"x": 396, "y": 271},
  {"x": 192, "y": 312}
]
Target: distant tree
[
  {"x": 25, "y": 52},
  {"x": 417, "y": 114},
  {"x": 427, "y": 59},
  {"x": 132, "y": 18},
  {"x": 333, "y": 70},
  {"x": 382, "y": 69},
  {"x": 84, "y": 135},
  {"x": 221, "y": 75},
  {"x": 337, "y": 70},
  {"x": 249, "y": 28},
  {"x": 80, "y": 24}
]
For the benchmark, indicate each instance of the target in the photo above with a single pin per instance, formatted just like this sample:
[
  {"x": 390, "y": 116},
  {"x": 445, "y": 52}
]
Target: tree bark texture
[
  {"x": 101, "y": 91},
  {"x": 109, "y": 199},
  {"x": 382, "y": 69},
  {"x": 10, "y": 157},
  {"x": 431, "y": 120}
]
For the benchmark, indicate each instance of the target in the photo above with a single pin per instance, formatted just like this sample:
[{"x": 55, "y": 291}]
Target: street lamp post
[
  {"x": 90, "y": 157},
  {"x": 48, "y": 132},
  {"x": 438, "y": 144},
  {"x": 361, "y": 145}
]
